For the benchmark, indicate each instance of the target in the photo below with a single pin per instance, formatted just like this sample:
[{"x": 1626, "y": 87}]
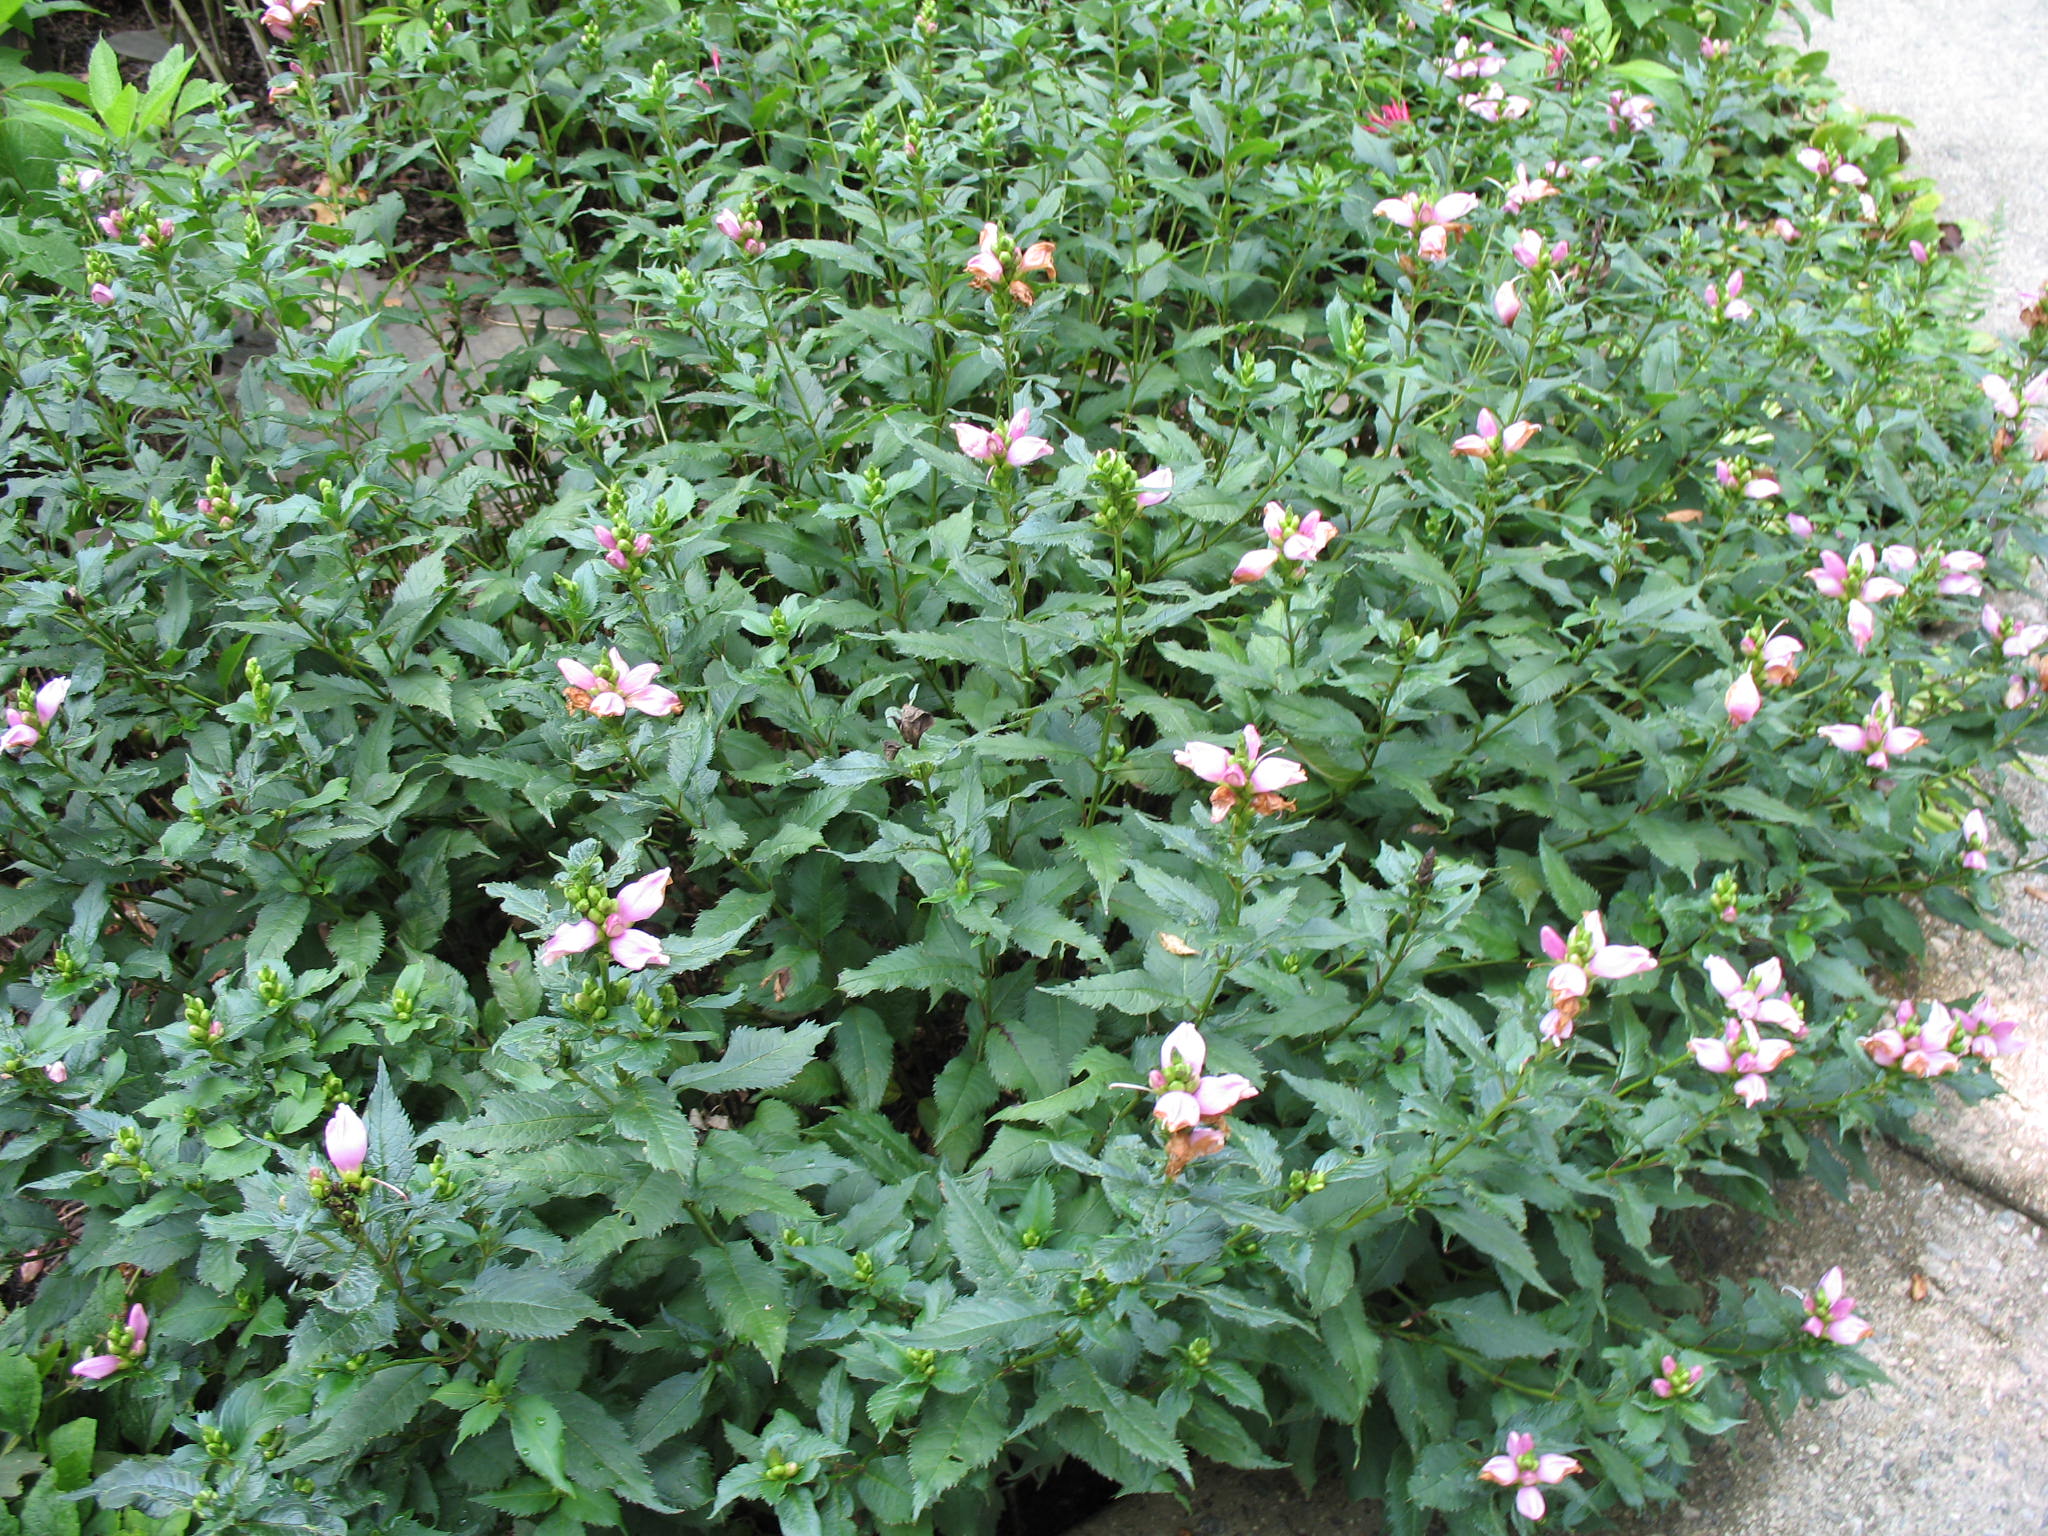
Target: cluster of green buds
[
  {"x": 272, "y": 991},
  {"x": 126, "y": 1152},
  {"x": 444, "y": 1184},
  {"x": 776, "y": 1470},
  {"x": 593, "y": 1002},
  {"x": 920, "y": 1364},
  {"x": 262, "y": 693},
  {"x": 215, "y": 1443},
  {"x": 67, "y": 966},
  {"x": 201, "y": 1027},
  {"x": 1726, "y": 897},
  {"x": 1303, "y": 1182},
  {"x": 218, "y": 504}
]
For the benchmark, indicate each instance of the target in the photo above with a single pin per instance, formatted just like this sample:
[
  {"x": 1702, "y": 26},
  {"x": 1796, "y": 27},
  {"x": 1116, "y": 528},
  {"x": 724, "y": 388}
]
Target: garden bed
[{"x": 1138, "y": 736}]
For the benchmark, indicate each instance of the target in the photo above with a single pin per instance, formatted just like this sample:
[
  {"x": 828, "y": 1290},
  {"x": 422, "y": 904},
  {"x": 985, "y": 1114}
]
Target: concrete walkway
[{"x": 1957, "y": 1445}]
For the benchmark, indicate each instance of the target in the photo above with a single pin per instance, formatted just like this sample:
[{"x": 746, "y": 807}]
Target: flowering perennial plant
[{"x": 703, "y": 1106}]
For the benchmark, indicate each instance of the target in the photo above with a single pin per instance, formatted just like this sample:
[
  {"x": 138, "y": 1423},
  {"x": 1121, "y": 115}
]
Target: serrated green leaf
[
  {"x": 518, "y": 1122},
  {"x": 356, "y": 942},
  {"x": 907, "y": 967},
  {"x": 527, "y": 1303},
  {"x": 748, "y": 1296},
  {"x": 864, "y": 1053},
  {"x": 21, "y": 1395},
  {"x": 755, "y": 1059},
  {"x": 646, "y": 1112},
  {"x": 1487, "y": 1324},
  {"x": 1573, "y": 896}
]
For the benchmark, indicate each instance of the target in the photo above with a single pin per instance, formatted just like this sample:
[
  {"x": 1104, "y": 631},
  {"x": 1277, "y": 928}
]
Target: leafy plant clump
[{"x": 986, "y": 736}]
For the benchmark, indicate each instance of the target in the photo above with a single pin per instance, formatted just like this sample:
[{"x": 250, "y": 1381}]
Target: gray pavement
[
  {"x": 1957, "y": 1443},
  {"x": 1972, "y": 75}
]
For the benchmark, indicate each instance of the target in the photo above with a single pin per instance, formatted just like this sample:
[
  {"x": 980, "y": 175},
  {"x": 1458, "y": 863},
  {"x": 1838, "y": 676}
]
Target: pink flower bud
[
  {"x": 57, "y": 1072},
  {"x": 1507, "y": 304},
  {"x": 348, "y": 1142}
]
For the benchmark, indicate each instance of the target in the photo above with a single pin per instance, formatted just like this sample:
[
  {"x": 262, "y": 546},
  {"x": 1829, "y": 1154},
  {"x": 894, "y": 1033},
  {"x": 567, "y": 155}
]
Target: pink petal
[
  {"x": 98, "y": 1367},
  {"x": 1618, "y": 960},
  {"x": 1254, "y": 565},
  {"x": 1567, "y": 980},
  {"x": 1711, "y": 1054},
  {"x": 1849, "y": 738},
  {"x": 1501, "y": 1470},
  {"x": 1184, "y": 1047},
  {"x": 1219, "y": 1095},
  {"x": 976, "y": 442},
  {"x": 1520, "y": 1442},
  {"x": 1553, "y": 942},
  {"x": 50, "y": 696},
  {"x": 1027, "y": 450},
  {"x": 1850, "y": 1330},
  {"x": 1722, "y": 976},
  {"x": 643, "y": 898},
  {"x": 636, "y": 950},
  {"x": 655, "y": 701},
  {"x": 1771, "y": 1054},
  {"x": 1177, "y": 1111},
  {"x": 1554, "y": 1468},
  {"x": 1155, "y": 487},
  {"x": 1751, "y": 1089},
  {"x": 1271, "y": 774},
  {"x": 1204, "y": 761},
  {"x": 1455, "y": 205},
  {"x": 1400, "y": 210},
  {"x": 986, "y": 267},
  {"x": 1530, "y": 1502},
  {"x": 569, "y": 939},
  {"x": 578, "y": 675}
]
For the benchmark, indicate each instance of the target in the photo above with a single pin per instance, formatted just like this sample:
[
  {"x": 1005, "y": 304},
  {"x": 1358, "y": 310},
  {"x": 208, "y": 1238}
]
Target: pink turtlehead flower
[
  {"x": 1780, "y": 655},
  {"x": 1520, "y": 1468},
  {"x": 626, "y": 688},
  {"x": 1878, "y": 738},
  {"x": 1900, "y": 559},
  {"x": 1246, "y": 767},
  {"x": 101, "y": 294},
  {"x": 1742, "y": 700},
  {"x": 1734, "y": 306},
  {"x": 1469, "y": 63},
  {"x": 1507, "y": 304},
  {"x": 1754, "y": 998},
  {"x": 1300, "y": 540},
  {"x": 1492, "y": 438},
  {"x": 2014, "y": 638},
  {"x": 1799, "y": 526},
  {"x": 1854, "y": 577},
  {"x": 615, "y": 555},
  {"x": 1155, "y": 487},
  {"x": 1677, "y": 1380},
  {"x": 98, "y": 1367},
  {"x": 1011, "y": 444},
  {"x": 1961, "y": 574},
  {"x": 1523, "y": 190},
  {"x": 630, "y": 948},
  {"x": 1977, "y": 1035},
  {"x": 1433, "y": 221},
  {"x": 1861, "y": 623},
  {"x": 281, "y": 18},
  {"x": 20, "y": 734},
  {"x": 1712, "y": 48},
  {"x": 986, "y": 266},
  {"x": 1752, "y": 487},
  {"x": 1494, "y": 105},
  {"x": 1583, "y": 957},
  {"x": 57, "y": 1072},
  {"x": 1742, "y": 1053},
  {"x": 348, "y": 1141},
  {"x": 744, "y": 233},
  {"x": 1832, "y": 1315},
  {"x": 1918, "y": 251},
  {"x": 1638, "y": 114},
  {"x": 1187, "y": 1095},
  {"x": 138, "y": 1328},
  {"x": 1828, "y": 168},
  {"x": 1560, "y": 53},
  {"x": 1976, "y": 841},
  {"x": 1928, "y": 1054},
  {"x": 1530, "y": 254},
  {"x": 2010, "y": 405}
]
